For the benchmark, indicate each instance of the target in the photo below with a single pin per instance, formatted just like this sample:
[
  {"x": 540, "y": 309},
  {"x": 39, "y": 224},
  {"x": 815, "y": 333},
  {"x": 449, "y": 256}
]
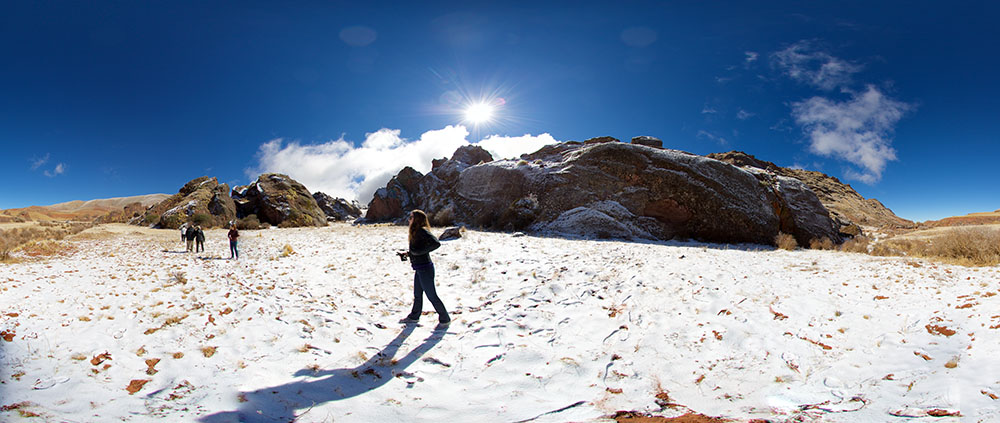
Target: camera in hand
[{"x": 403, "y": 255}]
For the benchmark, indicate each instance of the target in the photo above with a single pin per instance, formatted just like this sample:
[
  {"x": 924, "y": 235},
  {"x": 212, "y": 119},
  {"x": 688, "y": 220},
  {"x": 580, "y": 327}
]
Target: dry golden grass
[
  {"x": 858, "y": 244},
  {"x": 785, "y": 241},
  {"x": 963, "y": 246},
  {"x": 38, "y": 240},
  {"x": 821, "y": 244}
]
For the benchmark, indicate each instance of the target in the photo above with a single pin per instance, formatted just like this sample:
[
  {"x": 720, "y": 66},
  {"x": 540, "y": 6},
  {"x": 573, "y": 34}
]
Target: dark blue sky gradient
[{"x": 140, "y": 97}]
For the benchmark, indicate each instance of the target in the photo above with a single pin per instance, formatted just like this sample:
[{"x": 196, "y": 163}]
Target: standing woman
[
  {"x": 422, "y": 242},
  {"x": 234, "y": 234}
]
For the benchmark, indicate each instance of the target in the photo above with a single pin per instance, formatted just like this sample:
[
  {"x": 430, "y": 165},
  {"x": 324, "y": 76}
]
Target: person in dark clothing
[
  {"x": 199, "y": 238},
  {"x": 422, "y": 242},
  {"x": 234, "y": 235},
  {"x": 190, "y": 234}
]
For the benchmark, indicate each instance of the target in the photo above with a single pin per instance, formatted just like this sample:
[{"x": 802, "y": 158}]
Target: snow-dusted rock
[
  {"x": 337, "y": 208},
  {"x": 278, "y": 200},
  {"x": 203, "y": 199}
]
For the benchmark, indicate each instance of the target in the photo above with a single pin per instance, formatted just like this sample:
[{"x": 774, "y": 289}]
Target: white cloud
[
  {"x": 712, "y": 137},
  {"x": 751, "y": 56},
  {"x": 803, "y": 63},
  {"x": 708, "y": 110},
  {"x": 858, "y": 130},
  {"x": 36, "y": 163},
  {"x": 340, "y": 169},
  {"x": 59, "y": 169},
  {"x": 743, "y": 115}
]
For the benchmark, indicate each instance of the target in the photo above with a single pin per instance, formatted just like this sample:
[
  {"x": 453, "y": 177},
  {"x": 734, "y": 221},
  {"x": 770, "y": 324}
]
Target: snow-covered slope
[{"x": 558, "y": 329}]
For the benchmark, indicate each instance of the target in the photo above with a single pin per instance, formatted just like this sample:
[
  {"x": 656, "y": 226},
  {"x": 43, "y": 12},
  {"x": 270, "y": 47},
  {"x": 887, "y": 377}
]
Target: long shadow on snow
[
  {"x": 690, "y": 243},
  {"x": 279, "y": 403}
]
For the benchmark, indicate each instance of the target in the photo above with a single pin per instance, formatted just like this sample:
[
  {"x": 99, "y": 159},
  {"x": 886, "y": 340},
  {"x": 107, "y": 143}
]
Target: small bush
[
  {"x": 287, "y": 251},
  {"x": 250, "y": 222},
  {"x": 785, "y": 241},
  {"x": 963, "y": 246},
  {"x": 821, "y": 244},
  {"x": 201, "y": 219},
  {"x": 151, "y": 219},
  {"x": 858, "y": 244}
]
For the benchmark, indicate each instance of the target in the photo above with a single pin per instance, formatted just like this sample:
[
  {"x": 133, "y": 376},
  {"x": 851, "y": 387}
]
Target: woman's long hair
[{"x": 419, "y": 221}]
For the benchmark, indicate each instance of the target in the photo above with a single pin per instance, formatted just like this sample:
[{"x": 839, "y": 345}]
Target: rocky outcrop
[
  {"x": 410, "y": 189},
  {"x": 605, "y": 188},
  {"x": 125, "y": 215},
  {"x": 203, "y": 201},
  {"x": 648, "y": 141},
  {"x": 846, "y": 206},
  {"x": 278, "y": 200},
  {"x": 337, "y": 209}
]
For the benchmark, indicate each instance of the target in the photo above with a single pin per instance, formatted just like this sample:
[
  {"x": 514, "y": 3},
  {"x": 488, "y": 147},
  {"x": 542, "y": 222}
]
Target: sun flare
[{"x": 479, "y": 113}]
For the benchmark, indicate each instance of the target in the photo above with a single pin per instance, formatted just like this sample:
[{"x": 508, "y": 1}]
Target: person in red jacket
[{"x": 234, "y": 236}]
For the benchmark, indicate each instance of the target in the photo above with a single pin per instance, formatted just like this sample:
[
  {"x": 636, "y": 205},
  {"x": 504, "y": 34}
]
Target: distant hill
[
  {"x": 77, "y": 210},
  {"x": 983, "y": 218}
]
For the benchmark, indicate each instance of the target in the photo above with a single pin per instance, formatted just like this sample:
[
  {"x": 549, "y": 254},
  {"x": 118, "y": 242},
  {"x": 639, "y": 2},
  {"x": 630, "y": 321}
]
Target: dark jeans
[
  {"x": 423, "y": 283},
  {"x": 199, "y": 246},
  {"x": 233, "y": 250}
]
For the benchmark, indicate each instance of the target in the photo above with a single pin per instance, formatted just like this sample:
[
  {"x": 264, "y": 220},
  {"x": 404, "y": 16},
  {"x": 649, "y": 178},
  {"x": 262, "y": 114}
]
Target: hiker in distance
[
  {"x": 190, "y": 234},
  {"x": 234, "y": 236},
  {"x": 199, "y": 239},
  {"x": 422, "y": 242}
]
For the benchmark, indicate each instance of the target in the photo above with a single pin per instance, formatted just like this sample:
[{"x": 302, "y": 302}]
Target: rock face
[
  {"x": 648, "y": 141},
  {"x": 278, "y": 200},
  {"x": 337, "y": 209},
  {"x": 203, "y": 200},
  {"x": 125, "y": 215},
  {"x": 606, "y": 188},
  {"x": 846, "y": 206},
  {"x": 391, "y": 202}
]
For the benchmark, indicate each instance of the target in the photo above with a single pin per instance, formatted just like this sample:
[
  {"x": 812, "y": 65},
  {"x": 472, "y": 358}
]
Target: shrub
[
  {"x": 249, "y": 222},
  {"x": 785, "y": 241},
  {"x": 151, "y": 219},
  {"x": 287, "y": 251},
  {"x": 858, "y": 244},
  {"x": 821, "y": 244},
  {"x": 201, "y": 219}
]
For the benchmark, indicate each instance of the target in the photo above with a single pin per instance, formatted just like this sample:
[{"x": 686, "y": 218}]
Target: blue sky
[{"x": 108, "y": 99}]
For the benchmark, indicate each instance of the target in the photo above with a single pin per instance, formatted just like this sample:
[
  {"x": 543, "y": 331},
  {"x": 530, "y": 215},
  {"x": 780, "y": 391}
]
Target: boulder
[
  {"x": 392, "y": 202},
  {"x": 454, "y": 232},
  {"x": 202, "y": 200},
  {"x": 337, "y": 209},
  {"x": 278, "y": 200},
  {"x": 648, "y": 141},
  {"x": 126, "y": 214},
  {"x": 600, "y": 140}
]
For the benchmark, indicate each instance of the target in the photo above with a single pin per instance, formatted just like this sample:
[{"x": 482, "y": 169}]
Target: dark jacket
[
  {"x": 200, "y": 235},
  {"x": 191, "y": 233},
  {"x": 420, "y": 247},
  {"x": 233, "y": 235}
]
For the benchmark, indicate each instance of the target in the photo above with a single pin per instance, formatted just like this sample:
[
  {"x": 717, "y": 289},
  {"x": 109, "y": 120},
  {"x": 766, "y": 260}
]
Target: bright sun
[{"x": 479, "y": 113}]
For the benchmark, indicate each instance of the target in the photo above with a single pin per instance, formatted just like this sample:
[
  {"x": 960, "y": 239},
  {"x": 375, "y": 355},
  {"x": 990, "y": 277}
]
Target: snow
[{"x": 540, "y": 324}]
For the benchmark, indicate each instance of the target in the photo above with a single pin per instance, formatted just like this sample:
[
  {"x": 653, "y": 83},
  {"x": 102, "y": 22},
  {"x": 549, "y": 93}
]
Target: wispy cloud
[
  {"x": 708, "y": 110},
  {"x": 858, "y": 130},
  {"x": 37, "y": 163},
  {"x": 702, "y": 134},
  {"x": 340, "y": 169},
  {"x": 805, "y": 63},
  {"x": 58, "y": 170},
  {"x": 743, "y": 115},
  {"x": 751, "y": 56}
]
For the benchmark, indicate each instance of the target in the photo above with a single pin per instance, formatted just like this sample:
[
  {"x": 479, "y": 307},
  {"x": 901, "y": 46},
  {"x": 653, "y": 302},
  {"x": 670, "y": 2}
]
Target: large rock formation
[
  {"x": 278, "y": 200},
  {"x": 125, "y": 215},
  {"x": 606, "y": 188},
  {"x": 203, "y": 201},
  {"x": 846, "y": 206},
  {"x": 337, "y": 209}
]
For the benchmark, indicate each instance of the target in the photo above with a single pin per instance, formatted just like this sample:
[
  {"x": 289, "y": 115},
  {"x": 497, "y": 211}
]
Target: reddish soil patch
[{"x": 635, "y": 417}]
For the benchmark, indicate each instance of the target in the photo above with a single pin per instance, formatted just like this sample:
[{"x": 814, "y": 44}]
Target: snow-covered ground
[{"x": 130, "y": 328}]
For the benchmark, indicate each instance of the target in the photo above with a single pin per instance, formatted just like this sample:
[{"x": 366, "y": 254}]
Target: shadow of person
[{"x": 279, "y": 403}]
